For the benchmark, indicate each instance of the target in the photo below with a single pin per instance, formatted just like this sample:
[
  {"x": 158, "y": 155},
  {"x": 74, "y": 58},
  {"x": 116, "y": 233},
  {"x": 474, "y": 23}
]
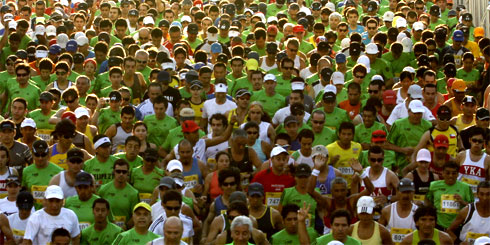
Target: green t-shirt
[
  {"x": 4, "y": 77},
  {"x": 238, "y": 84},
  {"x": 42, "y": 121},
  {"x": 382, "y": 66},
  {"x": 113, "y": 38},
  {"x": 132, "y": 237},
  {"x": 323, "y": 240},
  {"x": 335, "y": 118},
  {"x": 388, "y": 162},
  {"x": 102, "y": 81},
  {"x": 122, "y": 211},
  {"x": 306, "y": 47},
  {"x": 273, "y": 9},
  {"x": 138, "y": 161},
  {"x": 363, "y": 134},
  {"x": 146, "y": 183},
  {"x": 397, "y": 65},
  {"x": 292, "y": 196},
  {"x": 441, "y": 196},
  {"x": 30, "y": 94},
  {"x": 261, "y": 52},
  {"x": 158, "y": 129},
  {"x": 175, "y": 136},
  {"x": 194, "y": 44},
  {"x": 102, "y": 172},
  {"x": 271, "y": 104},
  {"x": 312, "y": 78},
  {"x": 405, "y": 134},
  {"x": 92, "y": 237},
  {"x": 283, "y": 237},
  {"x": 36, "y": 180},
  {"x": 107, "y": 117},
  {"x": 83, "y": 210},
  {"x": 146, "y": 74},
  {"x": 283, "y": 86},
  {"x": 107, "y": 90},
  {"x": 469, "y": 77},
  {"x": 41, "y": 83},
  {"x": 6, "y": 51},
  {"x": 326, "y": 137}
]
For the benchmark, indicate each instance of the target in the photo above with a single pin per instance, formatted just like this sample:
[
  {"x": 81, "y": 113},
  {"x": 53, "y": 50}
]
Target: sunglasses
[
  {"x": 373, "y": 91},
  {"x": 372, "y": 159},
  {"x": 61, "y": 73},
  {"x": 121, "y": 171},
  {"x": 40, "y": 154},
  {"x": 342, "y": 30},
  {"x": 126, "y": 99},
  {"x": 76, "y": 161},
  {"x": 172, "y": 208},
  {"x": 371, "y": 28},
  {"x": 22, "y": 74},
  {"x": 420, "y": 8},
  {"x": 287, "y": 68},
  {"x": 360, "y": 77},
  {"x": 142, "y": 61},
  {"x": 9, "y": 64},
  {"x": 477, "y": 141},
  {"x": 317, "y": 122},
  {"x": 252, "y": 132},
  {"x": 68, "y": 136},
  {"x": 226, "y": 184},
  {"x": 293, "y": 50},
  {"x": 151, "y": 159},
  {"x": 70, "y": 101}
]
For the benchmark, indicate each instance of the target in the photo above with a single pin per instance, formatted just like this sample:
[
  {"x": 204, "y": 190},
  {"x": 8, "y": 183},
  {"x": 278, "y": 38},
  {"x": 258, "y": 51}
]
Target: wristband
[
  {"x": 364, "y": 175},
  {"x": 315, "y": 172}
]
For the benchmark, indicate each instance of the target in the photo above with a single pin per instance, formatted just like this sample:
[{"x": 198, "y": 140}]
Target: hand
[
  {"x": 408, "y": 150},
  {"x": 234, "y": 118},
  {"x": 335, "y": 159},
  {"x": 355, "y": 165},
  {"x": 459, "y": 199},
  {"x": 202, "y": 200},
  {"x": 319, "y": 161},
  {"x": 303, "y": 213},
  {"x": 198, "y": 188},
  {"x": 101, "y": 104},
  {"x": 380, "y": 200}
]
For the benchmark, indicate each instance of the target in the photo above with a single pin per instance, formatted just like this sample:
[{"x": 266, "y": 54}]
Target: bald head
[{"x": 172, "y": 230}]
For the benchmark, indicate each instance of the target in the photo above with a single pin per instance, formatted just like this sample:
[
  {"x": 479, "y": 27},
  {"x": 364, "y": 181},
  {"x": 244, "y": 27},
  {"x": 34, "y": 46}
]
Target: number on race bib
[
  {"x": 398, "y": 234},
  {"x": 273, "y": 198},
  {"x": 449, "y": 204}
]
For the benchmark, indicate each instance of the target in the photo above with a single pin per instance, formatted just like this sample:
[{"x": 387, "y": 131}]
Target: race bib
[
  {"x": 120, "y": 220},
  {"x": 398, "y": 234},
  {"x": 273, "y": 198},
  {"x": 346, "y": 170},
  {"x": 471, "y": 236},
  {"x": 83, "y": 225},
  {"x": 186, "y": 239},
  {"x": 18, "y": 234},
  {"x": 449, "y": 205},
  {"x": 44, "y": 134},
  {"x": 38, "y": 192},
  {"x": 145, "y": 197},
  {"x": 190, "y": 181},
  {"x": 418, "y": 197},
  {"x": 472, "y": 183}
]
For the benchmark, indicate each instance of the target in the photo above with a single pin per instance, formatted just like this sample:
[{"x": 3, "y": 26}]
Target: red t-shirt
[
  {"x": 273, "y": 184},
  {"x": 352, "y": 110}
]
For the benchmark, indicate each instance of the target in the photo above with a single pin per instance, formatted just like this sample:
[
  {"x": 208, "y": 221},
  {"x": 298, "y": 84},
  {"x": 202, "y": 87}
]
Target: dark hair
[
  {"x": 23, "y": 66},
  {"x": 229, "y": 172},
  {"x": 59, "y": 232},
  {"x": 354, "y": 86},
  {"x": 477, "y": 131},
  {"x": 340, "y": 213},
  {"x": 483, "y": 184},
  {"x": 376, "y": 150},
  {"x": 220, "y": 117},
  {"x": 6, "y": 150},
  {"x": 240, "y": 207},
  {"x": 161, "y": 99},
  {"x": 70, "y": 92},
  {"x": 20, "y": 100},
  {"x": 251, "y": 124},
  {"x": 128, "y": 110},
  {"x": 288, "y": 208},
  {"x": 424, "y": 210},
  {"x": 306, "y": 133},
  {"x": 283, "y": 136},
  {"x": 451, "y": 164},
  {"x": 121, "y": 162},
  {"x": 347, "y": 125},
  {"x": 132, "y": 138},
  {"x": 65, "y": 127},
  {"x": 101, "y": 200},
  {"x": 172, "y": 195}
]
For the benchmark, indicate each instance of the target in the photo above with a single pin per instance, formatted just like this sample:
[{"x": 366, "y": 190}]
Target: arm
[
  {"x": 111, "y": 131},
  {"x": 409, "y": 168},
  {"x": 7, "y": 232},
  {"x": 385, "y": 215},
  {"x": 444, "y": 238},
  {"x": 76, "y": 240},
  {"x": 302, "y": 230},
  {"x": 322, "y": 201},
  {"x": 451, "y": 230},
  {"x": 57, "y": 116},
  {"x": 224, "y": 137},
  {"x": 277, "y": 221},
  {"x": 207, "y": 184},
  {"x": 207, "y": 227},
  {"x": 254, "y": 159},
  {"x": 55, "y": 180},
  {"x": 214, "y": 230},
  {"x": 424, "y": 141},
  {"x": 385, "y": 235},
  {"x": 259, "y": 237},
  {"x": 89, "y": 146}
]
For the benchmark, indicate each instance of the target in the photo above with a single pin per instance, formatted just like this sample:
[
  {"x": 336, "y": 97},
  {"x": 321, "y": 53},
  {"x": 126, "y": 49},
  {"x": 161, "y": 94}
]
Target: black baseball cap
[
  {"x": 329, "y": 97},
  {"x": 164, "y": 23},
  {"x": 74, "y": 154},
  {"x": 195, "y": 83},
  {"x": 316, "y": 6},
  {"x": 115, "y": 96},
  {"x": 163, "y": 77},
  {"x": 323, "y": 46},
  {"x": 326, "y": 73},
  {"x": 290, "y": 119},
  {"x": 13, "y": 179},
  {"x": 83, "y": 178},
  {"x": 25, "y": 200},
  {"x": 256, "y": 188},
  {"x": 7, "y": 124},
  {"x": 467, "y": 16},
  {"x": 435, "y": 10},
  {"x": 355, "y": 48},
  {"x": 40, "y": 146},
  {"x": 482, "y": 113},
  {"x": 302, "y": 170},
  {"x": 192, "y": 28},
  {"x": 191, "y": 76}
]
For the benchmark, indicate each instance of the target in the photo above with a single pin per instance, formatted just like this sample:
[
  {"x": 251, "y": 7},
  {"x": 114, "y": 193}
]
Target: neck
[
  {"x": 101, "y": 158},
  {"x": 344, "y": 146},
  {"x": 119, "y": 185},
  {"x": 404, "y": 204},
  {"x": 301, "y": 189},
  {"x": 100, "y": 225},
  {"x": 376, "y": 170},
  {"x": 8, "y": 144},
  {"x": 148, "y": 167},
  {"x": 141, "y": 230},
  {"x": 424, "y": 236}
]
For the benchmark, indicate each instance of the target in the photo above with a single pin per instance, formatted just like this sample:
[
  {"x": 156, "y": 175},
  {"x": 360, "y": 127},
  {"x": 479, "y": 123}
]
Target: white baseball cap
[
  {"x": 401, "y": 36},
  {"x": 330, "y": 88},
  {"x": 269, "y": 77},
  {"x": 363, "y": 59},
  {"x": 50, "y": 31},
  {"x": 372, "y": 48},
  {"x": 388, "y": 16},
  {"x": 483, "y": 240},
  {"x": 148, "y": 20},
  {"x": 401, "y": 22},
  {"x": 39, "y": 30},
  {"x": 418, "y": 26},
  {"x": 8, "y": 16},
  {"x": 424, "y": 155},
  {"x": 220, "y": 88},
  {"x": 79, "y": 34},
  {"x": 297, "y": 86},
  {"x": 212, "y": 37},
  {"x": 330, "y": 6},
  {"x": 416, "y": 106},
  {"x": 13, "y": 24},
  {"x": 271, "y": 19},
  {"x": 409, "y": 69},
  {"x": 28, "y": 122},
  {"x": 277, "y": 151},
  {"x": 377, "y": 77},
  {"x": 407, "y": 45},
  {"x": 365, "y": 204},
  {"x": 53, "y": 191},
  {"x": 415, "y": 91},
  {"x": 62, "y": 39},
  {"x": 186, "y": 18},
  {"x": 168, "y": 65},
  {"x": 338, "y": 78},
  {"x": 82, "y": 40},
  {"x": 81, "y": 111},
  {"x": 174, "y": 165}
]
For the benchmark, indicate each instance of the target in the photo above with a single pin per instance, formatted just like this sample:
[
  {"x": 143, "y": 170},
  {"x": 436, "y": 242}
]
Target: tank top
[
  {"x": 214, "y": 189},
  {"x": 435, "y": 169},
  {"x": 219, "y": 205},
  {"x": 59, "y": 158},
  {"x": 297, "y": 62},
  {"x": 416, "y": 238},
  {"x": 325, "y": 186},
  {"x": 265, "y": 67},
  {"x": 88, "y": 133},
  {"x": 399, "y": 98},
  {"x": 421, "y": 187},
  {"x": 265, "y": 223},
  {"x": 474, "y": 225},
  {"x": 451, "y": 133},
  {"x": 263, "y": 128},
  {"x": 136, "y": 89},
  {"x": 119, "y": 139},
  {"x": 3, "y": 182},
  {"x": 472, "y": 172},
  {"x": 244, "y": 165},
  {"x": 380, "y": 186},
  {"x": 68, "y": 191},
  {"x": 258, "y": 149},
  {"x": 375, "y": 239},
  {"x": 400, "y": 227},
  {"x": 55, "y": 85},
  {"x": 193, "y": 176},
  {"x": 461, "y": 125}
]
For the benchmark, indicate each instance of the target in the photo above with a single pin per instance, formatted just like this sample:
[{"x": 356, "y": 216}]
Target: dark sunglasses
[
  {"x": 293, "y": 50},
  {"x": 126, "y": 99},
  {"x": 317, "y": 122},
  {"x": 287, "y": 68},
  {"x": 373, "y": 91},
  {"x": 121, "y": 171},
  {"x": 70, "y": 101},
  {"x": 477, "y": 141},
  {"x": 252, "y": 132},
  {"x": 76, "y": 161},
  {"x": 40, "y": 154},
  {"x": 172, "y": 208},
  {"x": 376, "y": 159},
  {"x": 22, "y": 74},
  {"x": 68, "y": 136},
  {"x": 229, "y": 184},
  {"x": 360, "y": 77}
]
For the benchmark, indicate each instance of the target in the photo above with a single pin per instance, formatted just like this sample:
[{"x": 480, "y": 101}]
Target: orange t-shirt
[{"x": 352, "y": 110}]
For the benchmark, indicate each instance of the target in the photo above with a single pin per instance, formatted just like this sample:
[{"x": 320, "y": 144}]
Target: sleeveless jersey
[
  {"x": 474, "y": 226},
  {"x": 325, "y": 186},
  {"x": 416, "y": 238},
  {"x": 193, "y": 176},
  {"x": 451, "y": 133},
  {"x": 421, "y": 187},
  {"x": 119, "y": 139},
  {"x": 68, "y": 191},
  {"x": 471, "y": 172},
  {"x": 375, "y": 239},
  {"x": 400, "y": 227},
  {"x": 380, "y": 186},
  {"x": 59, "y": 158},
  {"x": 265, "y": 223}
]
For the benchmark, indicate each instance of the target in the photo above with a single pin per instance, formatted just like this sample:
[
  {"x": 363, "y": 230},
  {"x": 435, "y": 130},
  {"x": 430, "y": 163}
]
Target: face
[
  {"x": 205, "y": 78},
  {"x": 368, "y": 118},
  {"x": 185, "y": 152},
  {"x": 415, "y": 118},
  {"x": 53, "y": 206},
  {"x": 61, "y": 240},
  {"x": 141, "y": 61},
  {"x": 100, "y": 212},
  {"x": 243, "y": 101},
  {"x": 376, "y": 160},
  {"x": 22, "y": 76},
  {"x": 229, "y": 185},
  {"x": 340, "y": 227},
  {"x": 354, "y": 96},
  {"x": 159, "y": 109},
  {"x": 430, "y": 94},
  {"x": 255, "y": 113},
  {"x": 306, "y": 144},
  {"x": 142, "y": 218},
  {"x": 172, "y": 233},
  {"x": 28, "y": 132},
  {"x": 318, "y": 122},
  {"x": 7, "y": 136},
  {"x": 103, "y": 151},
  {"x": 476, "y": 143},
  {"x": 450, "y": 175},
  {"x": 223, "y": 162},
  {"x": 154, "y": 92},
  {"x": 127, "y": 119},
  {"x": 83, "y": 85},
  {"x": 217, "y": 126},
  {"x": 130, "y": 67},
  {"x": 279, "y": 162},
  {"x": 256, "y": 82},
  {"x": 172, "y": 208},
  {"x": 140, "y": 132},
  {"x": 292, "y": 129},
  {"x": 219, "y": 72},
  {"x": 291, "y": 50},
  {"x": 84, "y": 192},
  {"x": 346, "y": 136},
  {"x": 291, "y": 223},
  {"x": 18, "y": 110},
  {"x": 121, "y": 173},
  {"x": 372, "y": 29},
  {"x": 132, "y": 148},
  {"x": 253, "y": 134},
  {"x": 352, "y": 18},
  {"x": 61, "y": 74},
  {"x": 240, "y": 234},
  {"x": 426, "y": 224},
  {"x": 237, "y": 67},
  {"x": 469, "y": 108}
]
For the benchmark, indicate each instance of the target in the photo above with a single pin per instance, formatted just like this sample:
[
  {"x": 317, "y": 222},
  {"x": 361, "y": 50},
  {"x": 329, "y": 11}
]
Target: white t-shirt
[
  {"x": 146, "y": 108},
  {"x": 401, "y": 111},
  {"x": 18, "y": 226},
  {"x": 41, "y": 225},
  {"x": 212, "y": 150},
  {"x": 210, "y": 107},
  {"x": 8, "y": 208},
  {"x": 161, "y": 241},
  {"x": 157, "y": 226},
  {"x": 199, "y": 150},
  {"x": 284, "y": 112}
]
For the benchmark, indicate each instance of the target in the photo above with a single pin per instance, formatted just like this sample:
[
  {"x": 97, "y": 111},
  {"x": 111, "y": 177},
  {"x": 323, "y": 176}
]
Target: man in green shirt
[
  {"x": 290, "y": 234},
  {"x": 118, "y": 190},
  {"x": 36, "y": 177},
  {"x": 259, "y": 46},
  {"x": 379, "y": 64},
  {"x": 246, "y": 81},
  {"x": 82, "y": 203},
  {"x": 105, "y": 117},
  {"x": 270, "y": 100},
  {"x": 237, "y": 64},
  {"x": 131, "y": 151},
  {"x": 101, "y": 231},
  {"x": 323, "y": 135},
  {"x": 334, "y": 114},
  {"x": 449, "y": 195},
  {"x": 101, "y": 165},
  {"x": 41, "y": 116},
  {"x": 159, "y": 124},
  {"x": 192, "y": 39},
  {"x": 24, "y": 88},
  {"x": 139, "y": 234},
  {"x": 367, "y": 127},
  {"x": 11, "y": 48},
  {"x": 340, "y": 219}
]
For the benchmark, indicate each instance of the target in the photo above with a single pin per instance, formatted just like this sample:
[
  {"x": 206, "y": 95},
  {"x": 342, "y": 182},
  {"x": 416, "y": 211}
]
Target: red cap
[
  {"x": 52, "y": 41},
  {"x": 378, "y": 135},
  {"x": 70, "y": 115},
  {"x": 298, "y": 28},
  {"x": 189, "y": 126},
  {"x": 441, "y": 140},
  {"x": 197, "y": 3},
  {"x": 272, "y": 29},
  {"x": 389, "y": 97},
  {"x": 450, "y": 82}
]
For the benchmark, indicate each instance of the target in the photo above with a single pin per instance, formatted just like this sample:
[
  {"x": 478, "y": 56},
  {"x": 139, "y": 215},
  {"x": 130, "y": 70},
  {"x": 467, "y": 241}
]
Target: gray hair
[
  {"x": 242, "y": 220},
  {"x": 334, "y": 15},
  {"x": 338, "y": 180},
  {"x": 239, "y": 133},
  {"x": 82, "y": 77},
  {"x": 142, "y": 52}
]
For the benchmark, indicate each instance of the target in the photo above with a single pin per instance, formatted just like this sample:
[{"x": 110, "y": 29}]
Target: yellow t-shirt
[
  {"x": 346, "y": 155},
  {"x": 197, "y": 111}
]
